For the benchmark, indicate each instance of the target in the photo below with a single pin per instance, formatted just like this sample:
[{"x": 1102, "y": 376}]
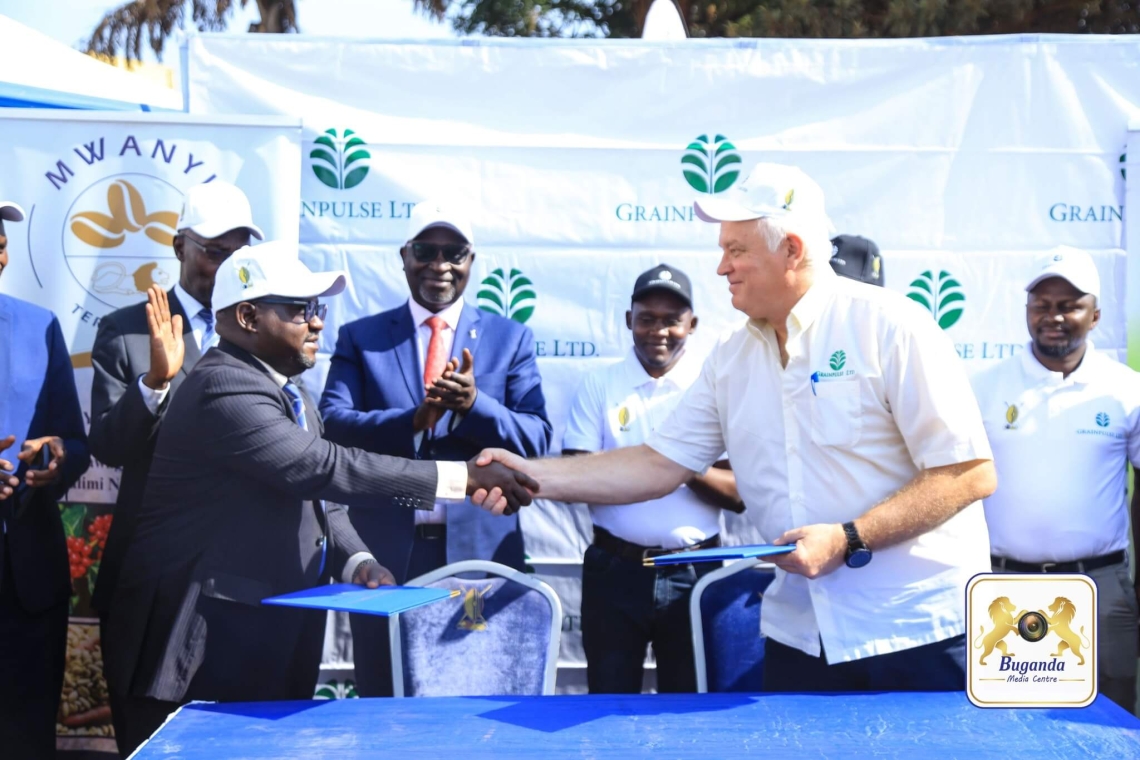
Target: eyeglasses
[
  {"x": 453, "y": 253},
  {"x": 213, "y": 252},
  {"x": 313, "y": 308}
]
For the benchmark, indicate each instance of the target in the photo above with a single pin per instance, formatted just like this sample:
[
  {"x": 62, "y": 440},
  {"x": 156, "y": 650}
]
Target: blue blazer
[
  {"x": 37, "y": 399},
  {"x": 375, "y": 384}
]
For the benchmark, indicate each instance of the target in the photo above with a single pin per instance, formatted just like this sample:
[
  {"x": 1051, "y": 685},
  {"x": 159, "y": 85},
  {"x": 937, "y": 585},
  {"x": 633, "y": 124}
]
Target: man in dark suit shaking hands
[
  {"x": 244, "y": 502},
  {"x": 435, "y": 378}
]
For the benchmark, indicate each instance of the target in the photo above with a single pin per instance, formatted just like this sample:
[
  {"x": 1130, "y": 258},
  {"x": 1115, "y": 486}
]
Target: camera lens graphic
[{"x": 1032, "y": 626}]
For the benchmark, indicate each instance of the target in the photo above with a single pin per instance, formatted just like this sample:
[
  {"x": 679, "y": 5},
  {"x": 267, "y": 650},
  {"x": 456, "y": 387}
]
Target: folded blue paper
[
  {"x": 719, "y": 554},
  {"x": 348, "y": 597}
]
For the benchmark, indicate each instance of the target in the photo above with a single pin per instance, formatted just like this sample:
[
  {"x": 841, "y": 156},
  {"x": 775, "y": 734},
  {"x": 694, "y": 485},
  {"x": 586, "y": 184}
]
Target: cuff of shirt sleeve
[
  {"x": 152, "y": 398},
  {"x": 353, "y": 563},
  {"x": 452, "y": 484}
]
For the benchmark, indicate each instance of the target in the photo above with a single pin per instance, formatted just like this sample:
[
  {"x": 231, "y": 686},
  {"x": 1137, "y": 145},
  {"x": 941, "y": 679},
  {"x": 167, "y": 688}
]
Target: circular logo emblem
[
  {"x": 118, "y": 234},
  {"x": 666, "y": 275}
]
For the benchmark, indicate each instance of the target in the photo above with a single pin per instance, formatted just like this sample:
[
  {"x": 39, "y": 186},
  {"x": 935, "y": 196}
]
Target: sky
[{"x": 71, "y": 21}]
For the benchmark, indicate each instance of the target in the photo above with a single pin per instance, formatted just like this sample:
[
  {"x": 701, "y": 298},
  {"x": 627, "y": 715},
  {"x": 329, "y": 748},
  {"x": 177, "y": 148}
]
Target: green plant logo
[
  {"x": 336, "y": 690},
  {"x": 340, "y": 161},
  {"x": 711, "y": 166},
  {"x": 508, "y": 295},
  {"x": 942, "y": 297},
  {"x": 1102, "y": 420},
  {"x": 838, "y": 359}
]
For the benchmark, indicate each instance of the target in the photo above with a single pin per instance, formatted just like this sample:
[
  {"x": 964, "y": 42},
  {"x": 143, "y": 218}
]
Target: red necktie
[{"x": 436, "y": 358}]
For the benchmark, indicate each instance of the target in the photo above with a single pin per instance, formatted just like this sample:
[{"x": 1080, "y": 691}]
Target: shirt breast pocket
[{"x": 836, "y": 413}]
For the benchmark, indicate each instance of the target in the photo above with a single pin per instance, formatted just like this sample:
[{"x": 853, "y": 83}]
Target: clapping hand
[
  {"x": 455, "y": 388},
  {"x": 167, "y": 348},
  {"x": 31, "y": 450},
  {"x": 499, "y": 488},
  {"x": 8, "y": 481}
]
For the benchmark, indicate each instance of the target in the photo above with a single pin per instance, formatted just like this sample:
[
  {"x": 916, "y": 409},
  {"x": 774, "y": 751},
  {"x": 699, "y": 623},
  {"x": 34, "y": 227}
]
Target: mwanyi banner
[
  {"x": 102, "y": 194},
  {"x": 963, "y": 158}
]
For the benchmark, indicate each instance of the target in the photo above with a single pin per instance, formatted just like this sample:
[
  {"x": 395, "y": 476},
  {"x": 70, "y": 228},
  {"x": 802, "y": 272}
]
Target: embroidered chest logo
[
  {"x": 473, "y": 619},
  {"x": 1102, "y": 420},
  {"x": 838, "y": 364},
  {"x": 1011, "y": 416},
  {"x": 624, "y": 418}
]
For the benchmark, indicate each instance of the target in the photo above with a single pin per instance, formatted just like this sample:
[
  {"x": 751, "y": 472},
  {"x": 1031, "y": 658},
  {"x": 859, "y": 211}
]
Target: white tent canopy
[{"x": 41, "y": 72}]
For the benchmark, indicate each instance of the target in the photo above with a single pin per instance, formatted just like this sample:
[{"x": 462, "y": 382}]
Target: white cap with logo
[
  {"x": 1070, "y": 264},
  {"x": 771, "y": 191},
  {"x": 271, "y": 269},
  {"x": 10, "y": 212},
  {"x": 435, "y": 213},
  {"x": 215, "y": 208}
]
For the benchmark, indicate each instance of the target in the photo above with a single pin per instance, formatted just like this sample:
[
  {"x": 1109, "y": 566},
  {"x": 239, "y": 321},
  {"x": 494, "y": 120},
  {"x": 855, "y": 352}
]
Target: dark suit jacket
[
  {"x": 123, "y": 430},
  {"x": 224, "y": 524},
  {"x": 37, "y": 398},
  {"x": 374, "y": 385}
]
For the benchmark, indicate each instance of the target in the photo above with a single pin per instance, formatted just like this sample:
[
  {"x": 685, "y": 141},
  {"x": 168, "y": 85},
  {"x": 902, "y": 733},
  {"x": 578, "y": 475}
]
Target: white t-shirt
[
  {"x": 620, "y": 406},
  {"x": 873, "y": 394},
  {"x": 1061, "y": 446}
]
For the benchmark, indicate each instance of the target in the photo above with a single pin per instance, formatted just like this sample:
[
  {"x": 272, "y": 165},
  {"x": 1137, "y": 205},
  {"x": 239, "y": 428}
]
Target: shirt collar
[
  {"x": 450, "y": 315},
  {"x": 1083, "y": 374},
  {"x": 277, "y": 376},
  {"x": 682, "y": 375},
  {"x": 807, "y": 309},
  {"x": 189, "y": 303}
]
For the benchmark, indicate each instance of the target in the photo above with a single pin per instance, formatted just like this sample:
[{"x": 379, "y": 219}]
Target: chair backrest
[
  {"x": 499, "y": 636},
  {"x": 724, "y": 609}
]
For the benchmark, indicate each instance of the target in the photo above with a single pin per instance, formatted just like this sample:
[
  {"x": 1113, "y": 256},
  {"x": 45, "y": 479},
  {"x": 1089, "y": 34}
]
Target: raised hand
[
  {"x": 498, "y": 488},
  {"x": 31, "y": 449},
  {"x": 455, "y": 388},
  {"x": 167, "y": 349},
  {"x": 7, "y": 480}
]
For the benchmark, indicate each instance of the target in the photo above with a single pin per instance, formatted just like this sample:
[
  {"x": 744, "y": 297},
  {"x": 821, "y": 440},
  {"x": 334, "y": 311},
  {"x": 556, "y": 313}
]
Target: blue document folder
[
  {"x": 348, "y": 597},
  {"x": 718, "y": 554}
]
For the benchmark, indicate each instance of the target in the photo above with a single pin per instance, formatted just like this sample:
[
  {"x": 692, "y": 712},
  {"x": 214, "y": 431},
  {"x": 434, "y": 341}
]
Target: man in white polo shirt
[
  {"x": 852, "y": 431},
  {"x": 625, "y": 605},
  {"x": 1064, "y": 422}
]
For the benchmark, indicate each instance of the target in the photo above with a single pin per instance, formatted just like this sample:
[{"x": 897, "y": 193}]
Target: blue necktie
[
  {"x": 294, "y": 394},
  {"x": 207, "y": 316}
]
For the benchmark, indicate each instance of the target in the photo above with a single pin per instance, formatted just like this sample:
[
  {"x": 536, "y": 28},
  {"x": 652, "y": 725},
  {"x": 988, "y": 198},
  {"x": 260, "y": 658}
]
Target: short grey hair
[{"x": 814, "y": 233}]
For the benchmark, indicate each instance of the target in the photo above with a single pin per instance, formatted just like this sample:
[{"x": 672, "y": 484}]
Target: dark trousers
[
  {"x": 940, "y": 666},
  {"x": 627, "y": 607},
  {"x": 33, "y": 649},
  {"x": 372, "y": 659}
]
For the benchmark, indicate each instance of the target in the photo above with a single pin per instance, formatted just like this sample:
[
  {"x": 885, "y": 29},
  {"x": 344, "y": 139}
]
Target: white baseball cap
[
  {"x": 271, "y": 269},
  {"x": 214, "y": 209},
  {"x": 11, "y": 212},
  {"x": 771, "y": 191},
  {"x": 433, "y": 213},
  {"x": 1070, "y": 264}
]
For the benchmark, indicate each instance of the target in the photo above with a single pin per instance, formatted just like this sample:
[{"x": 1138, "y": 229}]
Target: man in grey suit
[
  {"x": 235, "y": 509},
  {"x": 142, "y": 353}
]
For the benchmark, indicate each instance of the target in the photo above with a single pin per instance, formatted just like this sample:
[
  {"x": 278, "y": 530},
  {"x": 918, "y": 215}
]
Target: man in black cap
[
  {"x": 626, "y": 606},
  {"x": 857, "y": 258}
]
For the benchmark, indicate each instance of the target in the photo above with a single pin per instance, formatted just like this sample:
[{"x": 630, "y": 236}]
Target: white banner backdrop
[
  {"x": 962, "y": 158},
  {"x": 102, "y": 193}
]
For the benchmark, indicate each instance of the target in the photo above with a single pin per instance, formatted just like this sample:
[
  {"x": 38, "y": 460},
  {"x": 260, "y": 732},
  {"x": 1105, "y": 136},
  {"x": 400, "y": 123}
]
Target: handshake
[{"x": 499, "y": 481}]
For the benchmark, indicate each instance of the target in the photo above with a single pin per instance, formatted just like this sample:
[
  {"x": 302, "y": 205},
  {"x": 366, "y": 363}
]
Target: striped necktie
[
  {"x": 207, "y": 316},
  {"x": 298, "y": 402}
]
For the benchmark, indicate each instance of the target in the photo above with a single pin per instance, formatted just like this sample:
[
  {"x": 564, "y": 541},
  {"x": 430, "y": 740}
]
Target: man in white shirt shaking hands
[{"x": 853, "y": 433}]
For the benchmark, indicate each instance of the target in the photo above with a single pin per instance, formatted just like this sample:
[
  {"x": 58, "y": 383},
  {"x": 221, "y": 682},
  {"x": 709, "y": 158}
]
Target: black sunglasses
[
  {"x": 313, "y": 307},
  {"x": 453, "y": 253},
  {"x": 212, "y": 251}
]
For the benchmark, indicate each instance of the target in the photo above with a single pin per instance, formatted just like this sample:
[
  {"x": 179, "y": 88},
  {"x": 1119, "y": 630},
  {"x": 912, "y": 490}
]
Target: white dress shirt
[
  {"x": 420, "y": 316},
  {"x": 873, "y": 393},
  {"x": 1061, "y": 448},
  {"x": 621, "y": 405},
  {"x": 152, "y": 398}
]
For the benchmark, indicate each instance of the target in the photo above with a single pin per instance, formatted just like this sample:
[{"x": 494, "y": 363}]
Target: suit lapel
[
  {"x": 193, "y": 352},
  {"x": 467, "y": 335},
  {"x": 407, "y": 355}
]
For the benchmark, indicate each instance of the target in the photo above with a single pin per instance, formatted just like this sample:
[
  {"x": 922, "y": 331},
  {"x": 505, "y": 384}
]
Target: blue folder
[
  {"x": 717, "y": 554},
  {"x": 349, "y": 597}
]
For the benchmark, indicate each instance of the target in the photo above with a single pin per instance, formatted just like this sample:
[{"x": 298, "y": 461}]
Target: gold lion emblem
[
  {"x": 1011, "y": 417},
  {"x": 473, "y": 619},
  {"x": 1060, "y": 622},
  {"x": 128, "y": 214},
  {"x": 1005, "y": 622}
]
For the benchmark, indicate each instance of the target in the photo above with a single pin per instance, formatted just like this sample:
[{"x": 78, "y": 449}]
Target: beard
[
  {"x": 306, "y": 361},
  {"x": 1058, "y": 350},
  {"x": 440, "y": 297}
]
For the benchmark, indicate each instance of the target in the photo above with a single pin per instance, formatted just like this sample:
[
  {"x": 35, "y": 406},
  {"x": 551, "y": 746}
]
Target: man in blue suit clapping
[{"x": 435, "y": 378}]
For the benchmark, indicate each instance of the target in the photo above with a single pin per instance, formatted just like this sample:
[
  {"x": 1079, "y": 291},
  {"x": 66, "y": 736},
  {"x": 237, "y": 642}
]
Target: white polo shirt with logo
[
  {"x": 873, "y": 394},
  {"x": 621, "y": 405},
  {"x": 1061, "y": 447}
]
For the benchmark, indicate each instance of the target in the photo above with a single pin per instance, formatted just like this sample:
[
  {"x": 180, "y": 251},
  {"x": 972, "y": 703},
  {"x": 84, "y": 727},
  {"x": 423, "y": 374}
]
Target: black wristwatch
[{"x": 858, "y": 554}]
